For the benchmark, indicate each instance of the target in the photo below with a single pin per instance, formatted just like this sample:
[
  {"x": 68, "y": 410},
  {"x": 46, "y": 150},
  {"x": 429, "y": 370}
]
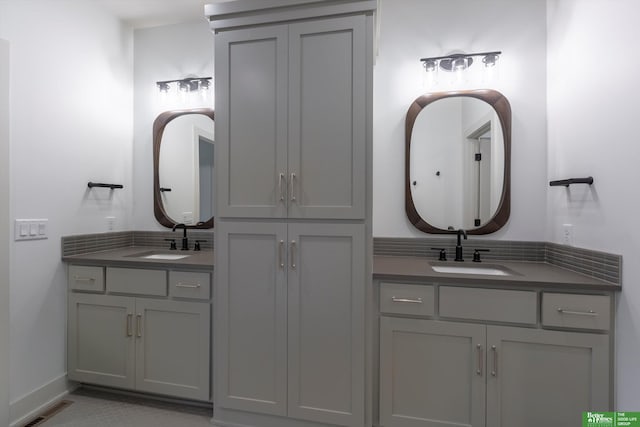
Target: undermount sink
[
  {"x": 159, "y": 255},
  {"x": 489, "y": 270}
]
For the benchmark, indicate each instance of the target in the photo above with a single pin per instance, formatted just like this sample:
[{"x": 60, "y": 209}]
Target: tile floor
[{"x": 97, "y": 408}]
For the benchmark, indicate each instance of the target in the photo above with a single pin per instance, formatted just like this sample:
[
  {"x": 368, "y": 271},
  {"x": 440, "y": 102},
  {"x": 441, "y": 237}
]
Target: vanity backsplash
[
  {"x": 86, "y": 243},
  {"x": 600, "y": 265}
]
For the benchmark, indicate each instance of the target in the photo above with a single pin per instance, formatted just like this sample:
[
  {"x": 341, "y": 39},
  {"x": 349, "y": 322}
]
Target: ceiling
[{"x": 152, "y": 13}]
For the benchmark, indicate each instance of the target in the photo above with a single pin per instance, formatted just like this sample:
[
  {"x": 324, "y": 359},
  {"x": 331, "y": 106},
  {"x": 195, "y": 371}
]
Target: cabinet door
[
  {"x": 432, "y": 374},
  {"x": 250, "y": 317},
  {"x": 251, "y": 122},
  {"x": 326, "y": 285},
  {"x": 545, "y": 377},
  {"x": 172, "y": 348},
  {"x": 100, "y": 340},
  {"x": 327, "y": 111}
]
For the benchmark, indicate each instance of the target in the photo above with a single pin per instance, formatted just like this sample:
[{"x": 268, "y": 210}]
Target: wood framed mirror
[
  {"x": 183, "y": 173},
  {"x": 458, "y": 162}
]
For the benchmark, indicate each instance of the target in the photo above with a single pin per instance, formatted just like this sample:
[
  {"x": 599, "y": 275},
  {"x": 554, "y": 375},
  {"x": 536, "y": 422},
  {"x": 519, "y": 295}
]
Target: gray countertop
[
  {"x": 384, "y": 267},
  {"x": 129, "y": 257},
  {"x": 533, "y": 274}
]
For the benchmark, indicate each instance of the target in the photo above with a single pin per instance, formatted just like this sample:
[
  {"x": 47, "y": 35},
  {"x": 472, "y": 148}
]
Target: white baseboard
[{"x": 30, "y": 405}]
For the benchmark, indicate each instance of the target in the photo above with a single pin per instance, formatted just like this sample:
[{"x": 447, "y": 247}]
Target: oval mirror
[
  {"x": 183, "y": 173},
  {"x": 457, "y": 162}
]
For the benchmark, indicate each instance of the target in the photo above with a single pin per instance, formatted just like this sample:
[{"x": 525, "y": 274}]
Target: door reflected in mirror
[
  {"x": 458, "y": 148},
  {"x": 184, "y": 168}
]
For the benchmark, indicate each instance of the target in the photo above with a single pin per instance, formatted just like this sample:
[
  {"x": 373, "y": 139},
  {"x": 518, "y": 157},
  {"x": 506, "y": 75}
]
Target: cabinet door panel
[
  {"x": 100, "y": 340},
  {"x": 546, "y": 377},
  {"x": 431, "y": 373},
  {"x": 250, "y": 311},
  {"x": 326, "y": 286},
  {"x": 251, "y": 139},
  {"x": 327, "y": 140},
  {"x": 172, "y": 348}
]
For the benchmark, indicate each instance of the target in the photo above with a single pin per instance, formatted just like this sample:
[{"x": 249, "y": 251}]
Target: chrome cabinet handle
[
  {"x": 293, "y": 251},
  {"x": 129, "y": 322},
  {"x": 84, "y": 279},
  {"x": 479, "y": 349},
  {"x": 187, "y": 285},
  {"x": 408, "y": 300},
  {"x": 280, "y": 187},
  {"x": 281, "y": 254},
  {"x": 577, "y": 313},
  {"x": 495, "y": 360},
  {"x": 293, "y": 194},
  {"x": 139, "y": 325}
]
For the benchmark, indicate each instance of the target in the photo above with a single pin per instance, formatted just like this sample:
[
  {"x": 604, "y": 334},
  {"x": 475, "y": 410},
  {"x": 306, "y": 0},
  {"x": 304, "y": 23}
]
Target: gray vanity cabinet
[
  {"x": 172, "y": 348},
  {"x": 447, "y": 361},
  {"x": 290, "y": 112},
  {"x": 145, "y": 342},
  {"x": 101, "y": 346},
  {"x": 289, "y": 320},
  {"x": 545, "y": 377},
  {"x": 432, "y": 373}
]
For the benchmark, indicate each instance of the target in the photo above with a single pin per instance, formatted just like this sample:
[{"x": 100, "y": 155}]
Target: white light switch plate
[{"x": 30, "y": 229}]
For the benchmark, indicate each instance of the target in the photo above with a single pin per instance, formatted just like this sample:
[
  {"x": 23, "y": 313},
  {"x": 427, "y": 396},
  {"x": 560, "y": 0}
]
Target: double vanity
[{"x": 453, "y": 343}]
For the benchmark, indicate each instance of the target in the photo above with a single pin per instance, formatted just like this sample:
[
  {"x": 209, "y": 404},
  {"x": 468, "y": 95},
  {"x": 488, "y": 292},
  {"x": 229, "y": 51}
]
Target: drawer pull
[
  {"x": 84, "y": 279},
  {"x": 407, "y": 300},
  {"x": 494, "y": 372},
  {"x": 129, "y": 321},
  {"x": 187, "y": 285},
  {"x": 577, "y": 313},
  {"x": 280, "y": 188},
  {"x": 479, "y": 370},
  {"x": 293, "y": 194},
  {"x": 281, "y": 254},
  {"x": 139, "y": 325}
]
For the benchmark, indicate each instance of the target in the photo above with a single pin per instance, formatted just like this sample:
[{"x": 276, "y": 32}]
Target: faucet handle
[
  {"x": 196, "y": 247},
  {"x": 172, "y": 245},
  {"x": 442, "y": 255},
  {"x": 476, "y": 254}
]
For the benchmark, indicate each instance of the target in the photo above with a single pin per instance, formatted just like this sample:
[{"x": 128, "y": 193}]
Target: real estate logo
[
  {"x": 611, "y": 419},
  {"x": 597, "y": 419}
]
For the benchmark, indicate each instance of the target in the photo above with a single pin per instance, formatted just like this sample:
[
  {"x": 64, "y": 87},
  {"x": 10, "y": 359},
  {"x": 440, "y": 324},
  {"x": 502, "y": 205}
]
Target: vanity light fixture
[
  {"x": 189, "y": 84},
  {"x": 457, "y": 62}
]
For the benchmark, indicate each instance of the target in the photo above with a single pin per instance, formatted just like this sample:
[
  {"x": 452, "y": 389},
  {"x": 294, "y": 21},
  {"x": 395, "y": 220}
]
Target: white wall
[
  {"x": 593, "y": 130},
  {"x": 413, "y": 29},
  {"x": 162, "y": 53},
  {"x": 71, "y": 122},
  {"x": 4, "y": 230}
]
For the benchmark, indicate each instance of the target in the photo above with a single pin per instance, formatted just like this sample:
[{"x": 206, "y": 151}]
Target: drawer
[
  {"x": 86, "y": 278},
  {"x": 400, "y": 298},
  {"x": 576, "y": 311},
  {"x": 496, "y": 305},
  {"x": 188, "y": 284},
  {"x": 137, "y": 281}
]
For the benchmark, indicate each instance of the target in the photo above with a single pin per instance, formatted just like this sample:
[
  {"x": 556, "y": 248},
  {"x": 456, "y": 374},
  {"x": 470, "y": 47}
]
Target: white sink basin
[
  {"x": 159, "y": 255},
  {"x": 462, "y": 269},
  {"x": 168, "y": 257}
]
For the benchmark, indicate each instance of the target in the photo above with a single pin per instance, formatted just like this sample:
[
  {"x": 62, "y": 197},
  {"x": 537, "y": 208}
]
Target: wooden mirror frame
[
  {"x": 501, "y": 105},
  {"x": 159, "y": 125}
]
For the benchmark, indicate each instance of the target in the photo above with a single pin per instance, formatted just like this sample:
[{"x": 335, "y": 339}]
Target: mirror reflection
[
  {"x": 184, "y": 168},
  {"x": 457, "y": 147}
]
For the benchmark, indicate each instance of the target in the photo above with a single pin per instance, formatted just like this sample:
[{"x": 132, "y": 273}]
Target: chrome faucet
[
  {"x": 463, "y": 233},
  {"x": 185, "y": 240}
]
